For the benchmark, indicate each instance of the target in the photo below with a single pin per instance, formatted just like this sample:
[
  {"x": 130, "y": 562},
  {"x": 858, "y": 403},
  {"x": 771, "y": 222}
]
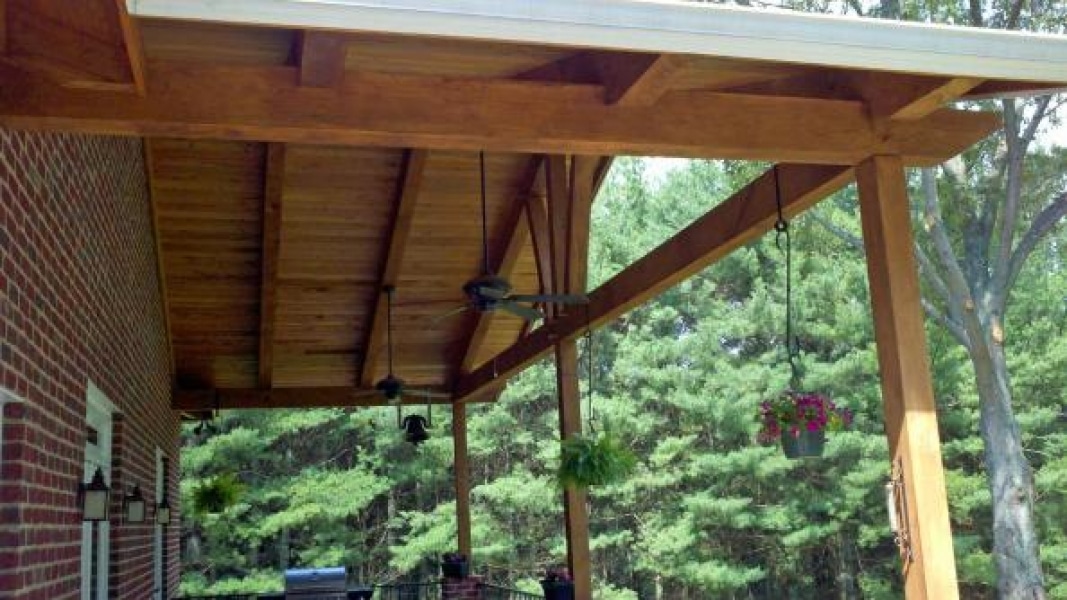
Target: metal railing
[{"x": 394, "y": 591}]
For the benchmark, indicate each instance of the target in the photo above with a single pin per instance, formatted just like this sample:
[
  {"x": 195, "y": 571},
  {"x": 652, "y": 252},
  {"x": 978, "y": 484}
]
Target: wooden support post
[
  {"x": 462, "y": 478},
  {"x": 575, "y": 510},
  {"x": 910, "y": 411}
]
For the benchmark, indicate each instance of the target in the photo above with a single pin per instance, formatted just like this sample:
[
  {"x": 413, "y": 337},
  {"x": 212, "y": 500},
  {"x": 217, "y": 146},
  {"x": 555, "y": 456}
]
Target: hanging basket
[{"x": 803, "y": 443}]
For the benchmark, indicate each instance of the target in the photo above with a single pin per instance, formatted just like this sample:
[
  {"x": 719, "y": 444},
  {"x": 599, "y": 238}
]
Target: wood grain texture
[
  {"x": 192, "y": 100},
  {"x": 273, "y": 189},
  {"x": 907, "y": 391},
  {"x": 407, "y": 195},
  {"x": 745, "y": 215},
  {"x": 322, "y": 58}
]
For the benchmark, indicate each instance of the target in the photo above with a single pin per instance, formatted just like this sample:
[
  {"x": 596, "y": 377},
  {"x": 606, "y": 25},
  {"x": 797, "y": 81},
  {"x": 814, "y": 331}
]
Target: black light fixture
[
  {"x": 163, "y": 512},
  {"x": 415, "y": 426},
  {"x": 133, "y": 504},
  {"x": 94, "y": 498}
]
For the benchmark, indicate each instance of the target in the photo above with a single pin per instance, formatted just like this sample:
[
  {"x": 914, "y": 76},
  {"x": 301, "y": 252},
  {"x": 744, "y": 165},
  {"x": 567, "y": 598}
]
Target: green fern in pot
[{"x": 586, "y": 460}]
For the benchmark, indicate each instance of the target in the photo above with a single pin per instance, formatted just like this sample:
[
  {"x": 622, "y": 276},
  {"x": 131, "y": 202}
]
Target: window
[{"x": 96, "y": 537}]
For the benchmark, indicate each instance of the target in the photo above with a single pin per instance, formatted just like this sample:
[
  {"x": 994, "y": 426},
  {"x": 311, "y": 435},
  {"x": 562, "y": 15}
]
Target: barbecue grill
[{"x": 316, "y": 584}]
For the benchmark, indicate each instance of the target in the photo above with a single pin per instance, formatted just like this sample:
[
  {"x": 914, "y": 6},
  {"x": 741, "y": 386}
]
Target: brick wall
[
  {"x": 79, "y": 301},
  {"x": 461, "y": 589}
]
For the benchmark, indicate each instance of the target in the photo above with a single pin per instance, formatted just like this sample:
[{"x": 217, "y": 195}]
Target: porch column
[
  {"x": 575, "y": 511},
  {"x": 462, "y": 478},
  {"x": 907, "y": 394}
]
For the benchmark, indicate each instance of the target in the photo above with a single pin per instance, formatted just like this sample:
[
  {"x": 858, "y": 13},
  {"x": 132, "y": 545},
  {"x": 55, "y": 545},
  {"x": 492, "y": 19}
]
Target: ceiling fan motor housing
[
  {"x": 390, "y": 387},
  {"x": 486, "y": 292}
]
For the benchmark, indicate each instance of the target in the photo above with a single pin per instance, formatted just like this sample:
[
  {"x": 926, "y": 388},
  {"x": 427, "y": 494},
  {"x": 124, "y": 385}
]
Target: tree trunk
[{"x": 1015, "y": 544}]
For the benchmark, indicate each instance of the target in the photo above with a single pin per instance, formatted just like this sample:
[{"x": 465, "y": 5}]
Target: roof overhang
[{"x": 668, "y": 27}]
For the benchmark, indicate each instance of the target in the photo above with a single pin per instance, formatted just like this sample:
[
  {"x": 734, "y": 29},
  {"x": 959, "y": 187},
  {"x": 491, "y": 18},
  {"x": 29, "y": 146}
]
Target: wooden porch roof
[{"x": 294, "y": 172}]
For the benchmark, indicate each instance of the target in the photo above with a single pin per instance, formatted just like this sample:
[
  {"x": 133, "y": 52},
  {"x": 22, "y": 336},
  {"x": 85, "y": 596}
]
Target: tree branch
[
  {"x": 935, "y": 227},
  {"x": 1048, "y": 218},
  {"x": 951, "y": 326}
]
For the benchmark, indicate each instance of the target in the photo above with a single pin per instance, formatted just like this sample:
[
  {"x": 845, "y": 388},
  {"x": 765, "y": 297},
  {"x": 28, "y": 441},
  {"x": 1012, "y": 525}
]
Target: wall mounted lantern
[
  {"x": 163, "y": 512},
  {"x": 133, "y": 505},
  {"x": 94, "y": 498}
]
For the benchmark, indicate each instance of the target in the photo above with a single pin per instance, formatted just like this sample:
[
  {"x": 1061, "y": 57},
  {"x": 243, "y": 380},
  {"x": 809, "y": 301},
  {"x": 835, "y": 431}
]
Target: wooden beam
[
  {"x": 322, "y": 58},
  {"x": 131, "y": 40},
  {"x": 558, "y": 203},
  {"x": 192, "y": 400},
  {"x": 537, "y": 221},
  {"x": 150, "y": 173},
  {"x": 374, "y": 109},
  {"x": 407, "y": 195},
  {"x": 462, "y": 475},
  {"x": 505, "y": 256},
  {"x": 575, "y": 500},
  {"x": 3, "y": 27},
  {"x": 273, "y": 190},
  {"x": 907, "y": 97},
  {"x": 637, "y": 81},
  {"x": 907, "y": 392},
  {"x": 587, "y": 174},
  {"x": 745, "y": 216}
]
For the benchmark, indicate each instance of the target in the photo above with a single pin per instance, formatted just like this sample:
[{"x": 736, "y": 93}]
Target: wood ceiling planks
[{"x": 208, "y": 198}]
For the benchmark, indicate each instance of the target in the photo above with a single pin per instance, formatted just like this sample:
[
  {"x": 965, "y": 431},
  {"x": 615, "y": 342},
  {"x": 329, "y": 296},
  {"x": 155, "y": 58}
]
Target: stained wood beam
[
  {"x": 273, "y": 189},
  {"x": 373, "y": 109},
  {"x": 639, "y": 81},
  {"x": 131, "y": 40},
  {"x": 743, "y": 217},
  {"x": 907, "y": 391},
  {"x": 190, "y": 400},
  {"x": 462, "y": 475},
  {"x": 910, "y": 97},
  {"x": 505, "y": 255},
  {"x": 157, "y": 236},
  {"x": 407, "y": 195},
  {"x": 322, "y": 58}
]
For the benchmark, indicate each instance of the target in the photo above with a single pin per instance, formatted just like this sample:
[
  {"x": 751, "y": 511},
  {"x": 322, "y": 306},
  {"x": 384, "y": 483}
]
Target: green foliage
[
  {"x": 705, "y": 513},
  {"x": 217, "y": 494},
  {"x": 586, "y": 460}
]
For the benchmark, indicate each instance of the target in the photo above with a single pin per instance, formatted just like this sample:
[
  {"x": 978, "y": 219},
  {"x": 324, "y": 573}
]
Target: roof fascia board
[{"x": 668, "y": 27}]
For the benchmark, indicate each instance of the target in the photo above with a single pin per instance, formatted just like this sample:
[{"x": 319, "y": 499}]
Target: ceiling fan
[
  {"x": 391, "y": 387},
  {"x": 489, "y": 292}
]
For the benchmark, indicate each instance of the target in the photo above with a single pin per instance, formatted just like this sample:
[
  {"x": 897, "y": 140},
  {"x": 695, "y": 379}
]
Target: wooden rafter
[
  {"x": 505, "y": 256},
  {"x": 295, "y": 397},
  {"x": 262, "y": 103},
  {"x": 558, "y": 202},
  {"x": 908, "y": 98},
  {"x": 273, "y": 190},
  {"x": 740, "y": 219},
  {"x": 131, "y": 40},
  {"x": 407, "y": 194},
  {"x": 637, "y": 82},
  {"x": 322, "y": 58},
  {"x": 150, "y": 174}
]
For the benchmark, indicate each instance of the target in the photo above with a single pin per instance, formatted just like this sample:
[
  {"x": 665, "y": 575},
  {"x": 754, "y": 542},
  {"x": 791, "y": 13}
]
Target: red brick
[{"x": 79, "y": 300}]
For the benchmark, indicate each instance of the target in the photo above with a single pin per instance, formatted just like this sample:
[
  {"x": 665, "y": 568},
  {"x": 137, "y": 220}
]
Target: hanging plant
[
  {"x": 800, "y": 420},
  {"x": 217, "y": 494},
  {"x": 586, "y": 460}
]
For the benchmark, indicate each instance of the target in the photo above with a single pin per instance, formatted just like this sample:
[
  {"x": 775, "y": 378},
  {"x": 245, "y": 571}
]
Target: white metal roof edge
[{"x": 664, "y": 26}]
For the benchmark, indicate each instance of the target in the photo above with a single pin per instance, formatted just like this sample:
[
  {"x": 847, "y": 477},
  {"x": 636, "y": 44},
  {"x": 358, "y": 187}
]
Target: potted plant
[
  {"x": 800, "y": 420},
  {"x": 557, "y": 584},
  {"x": 455, "y": 565},
  {"x": 217, "y": 494},
  {"x": 586, "y": 460}
]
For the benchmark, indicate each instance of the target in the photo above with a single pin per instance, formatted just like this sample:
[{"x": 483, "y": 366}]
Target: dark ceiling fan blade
[
  {"x": 523, "y": 312},
  {"x": 550, "y": 298},
  {"x": 416, "y": 394},
  {"x": 492, "y": 292},
  {"x": 451, "y": 313}
]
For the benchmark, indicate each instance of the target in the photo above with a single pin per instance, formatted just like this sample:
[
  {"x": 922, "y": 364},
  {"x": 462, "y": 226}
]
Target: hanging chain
[
  {"x": 589, "y": 392},
  {"x": 781, "y": 232}
]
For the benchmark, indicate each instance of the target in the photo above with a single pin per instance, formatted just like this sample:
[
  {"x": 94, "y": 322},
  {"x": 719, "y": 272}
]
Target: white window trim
[{"x": 99, "y": 413}]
